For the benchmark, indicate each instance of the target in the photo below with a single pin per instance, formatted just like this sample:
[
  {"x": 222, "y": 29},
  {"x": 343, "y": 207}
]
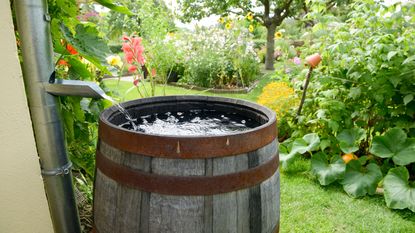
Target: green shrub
[{"x": 218, "y": 57}]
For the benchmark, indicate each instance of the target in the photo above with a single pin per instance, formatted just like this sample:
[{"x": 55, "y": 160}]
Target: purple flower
[{"x": 297, "y": 60}]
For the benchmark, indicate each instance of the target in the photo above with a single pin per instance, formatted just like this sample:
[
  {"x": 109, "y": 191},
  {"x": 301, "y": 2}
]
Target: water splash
[{"x": 120, "y": 108}]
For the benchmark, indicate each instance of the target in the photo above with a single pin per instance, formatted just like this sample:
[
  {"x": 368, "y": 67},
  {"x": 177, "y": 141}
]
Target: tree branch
[
  {"x": 283, "y": 12},
  {"x": 245, "y": 11},
  {"x": 266, "y": 8}
]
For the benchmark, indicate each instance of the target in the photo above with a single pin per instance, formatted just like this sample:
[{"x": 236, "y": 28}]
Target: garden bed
[{"x": 236, "y": 90}]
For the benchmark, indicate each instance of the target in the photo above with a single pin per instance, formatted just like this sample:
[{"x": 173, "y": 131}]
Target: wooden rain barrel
[{"x": 187, "y": 184}]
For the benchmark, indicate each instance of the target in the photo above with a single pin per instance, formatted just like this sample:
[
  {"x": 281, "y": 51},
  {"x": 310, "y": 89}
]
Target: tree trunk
[{"x": 269, "y": 58}]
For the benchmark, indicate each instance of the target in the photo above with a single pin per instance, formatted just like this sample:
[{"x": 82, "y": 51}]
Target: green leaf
[
  {"x": 355, "y": 92},
  {"x": 56, "y": 36},
  {"x": 87, "y": 42},
  {"x": 109, "y": 4},
  {"x": 326, "y": 143},
  {"x": 68, "y": 6},
  {"x": 391, "y": 54},
  {"x": 406, "y": 154},
  {"x": 79, "y": 67},
  {"x": 395, "y": 80},
  {"x": 394, "y": 144},
  {"x": 77, "y": 111},
  {"x": 408, "y": 98},
  {"x": 399, "y": 194},
  {"x": 409, "y": 59},
  {"x": 309, "y": 142},
  {"x": 349, "y": 139},
  {"x": 359, "y": 181},
  {"x": 327, "y": 172}
]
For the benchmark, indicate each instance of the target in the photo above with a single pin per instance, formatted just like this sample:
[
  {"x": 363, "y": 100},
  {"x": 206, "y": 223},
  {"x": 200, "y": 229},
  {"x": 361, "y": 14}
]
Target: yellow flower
[
  {"x": 278, "y": 35},
  {"x": 228, "y": 25},
  {"x": 251, "y": 28},
  {"x": 250, "y": 16},
  {"x": 170, "y": 34},
  {"x": 279, "y": 97},
  {"x": 221, "y": 20},
  {"x": 114, "y": 60}
]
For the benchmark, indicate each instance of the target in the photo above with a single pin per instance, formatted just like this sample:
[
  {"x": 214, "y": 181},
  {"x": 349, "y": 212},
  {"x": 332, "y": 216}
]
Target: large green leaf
[
  {"x": 399, "y": 193},
  {"x": 87, "y": 42},
  {"x": 327, "y": 171},
  {"x": 359, "y": 181},
  {"x": 309, "y": 142},
  {"x": 349, "y": 139},
  {"x": 68, "y": 6},
  {"x": 79, "y": 67},
  {"x": 109, "y": 4},
  {"x": 394, "y": 144}
]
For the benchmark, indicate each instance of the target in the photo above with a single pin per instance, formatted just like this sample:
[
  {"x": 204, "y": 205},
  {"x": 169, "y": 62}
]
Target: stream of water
[{"x": 120, "y": 108}]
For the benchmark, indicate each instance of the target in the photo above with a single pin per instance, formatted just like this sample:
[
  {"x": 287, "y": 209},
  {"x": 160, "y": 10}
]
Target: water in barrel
[{"x": 192, "y": 123}]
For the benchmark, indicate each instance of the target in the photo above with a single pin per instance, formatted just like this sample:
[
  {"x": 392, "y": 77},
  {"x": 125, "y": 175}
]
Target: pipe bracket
[
  {"x": 46, "y": 17},
  {"x": 60, "y": 171}
]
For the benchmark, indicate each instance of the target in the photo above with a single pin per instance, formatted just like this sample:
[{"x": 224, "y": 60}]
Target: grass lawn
[
  {"x": 305, "y": 205},
  {"x": 308, "y": 207},
  {"x": 171, "y": 90}
]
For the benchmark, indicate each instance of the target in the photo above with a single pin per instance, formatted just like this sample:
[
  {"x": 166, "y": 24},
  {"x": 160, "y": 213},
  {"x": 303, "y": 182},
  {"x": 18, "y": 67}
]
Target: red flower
[
  {"x": 135, "y": 82},
  {"x": 133, "y": 50},
  {"x": 71, "y": 49},
  {"x": 132, "y": 69}
]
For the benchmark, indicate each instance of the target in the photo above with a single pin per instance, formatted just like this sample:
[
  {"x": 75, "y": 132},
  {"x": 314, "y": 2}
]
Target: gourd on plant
[{"x": 349, "y": 157}]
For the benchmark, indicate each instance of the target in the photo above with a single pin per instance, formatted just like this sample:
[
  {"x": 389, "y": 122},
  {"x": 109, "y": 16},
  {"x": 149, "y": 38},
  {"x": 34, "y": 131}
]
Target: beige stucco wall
[{"x": 23, "y": 205}]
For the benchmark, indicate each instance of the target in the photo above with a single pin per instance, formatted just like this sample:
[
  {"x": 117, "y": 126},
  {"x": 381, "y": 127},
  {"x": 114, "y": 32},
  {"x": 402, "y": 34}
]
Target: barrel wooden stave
[{"x": 119, "y": 208}]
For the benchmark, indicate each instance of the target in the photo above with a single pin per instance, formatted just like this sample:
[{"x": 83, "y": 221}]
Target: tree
[
  {"x": 269, "y": 13},
  {"x": 150, "y": 19}
]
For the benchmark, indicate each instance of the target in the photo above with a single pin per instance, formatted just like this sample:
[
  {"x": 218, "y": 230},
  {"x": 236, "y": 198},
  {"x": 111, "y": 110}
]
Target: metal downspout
[{"x": 34, "y": 31}]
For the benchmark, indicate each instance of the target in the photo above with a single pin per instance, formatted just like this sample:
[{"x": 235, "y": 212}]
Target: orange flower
[
  {"x": 62, "y": 62},
  {"x": 153, "y": 72},
  {"x": 71, "y": 49}
]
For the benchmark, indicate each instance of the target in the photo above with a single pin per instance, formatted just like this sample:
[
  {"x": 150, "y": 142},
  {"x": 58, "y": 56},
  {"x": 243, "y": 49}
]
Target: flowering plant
[
  {"x": 134, "y": 56},
  {"x": 220, "y": 57}
]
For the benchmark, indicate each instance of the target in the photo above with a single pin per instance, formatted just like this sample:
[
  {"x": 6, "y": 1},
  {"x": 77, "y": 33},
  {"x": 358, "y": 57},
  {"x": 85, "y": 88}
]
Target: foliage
[
  {"x": 359, "y": 181},
  {"x": 399, "y": 193},
  {"x": 271, "y": 15},
  {"x": 153, "y": 22},
  {"x": 350, "y": 139},
  {"x": 81, "y": 54},
  {"x": 167, "y": 56},
  {"x": 150, "y": 19},
  {"x": 394, "y": 144},
  {"x": 361, "y": 99},
  {"x": 308, "y": 143},
  {"x": 326, "y": 170},
  {"x": 218, "y": 57}
]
